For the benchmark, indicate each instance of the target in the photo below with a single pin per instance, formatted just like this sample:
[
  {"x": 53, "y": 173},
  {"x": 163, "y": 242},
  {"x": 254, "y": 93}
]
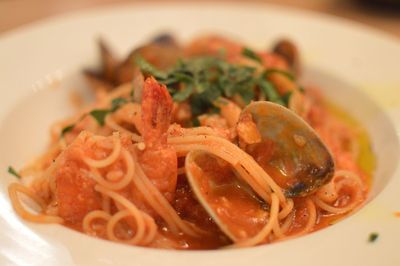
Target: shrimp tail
[{"x": 156, "y": 112}]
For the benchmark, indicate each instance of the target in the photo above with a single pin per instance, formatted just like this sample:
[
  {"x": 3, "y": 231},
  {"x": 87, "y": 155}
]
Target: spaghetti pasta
[
  {"x": 20, "y": 209},
  {"x": 119, "y": 169}
]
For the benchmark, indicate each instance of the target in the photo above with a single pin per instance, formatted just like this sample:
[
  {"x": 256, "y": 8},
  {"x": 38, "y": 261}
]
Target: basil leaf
[
  {"x": 214, "y": 110},
  {"x": 251, "y": 54},
  {"x": 211, "y": 94},
  {"x": 199, "y": 104},
  {"x": 279, "y": 71},
  {"x": 222, "y": 52},
  {"x": 286, "y": 97},
  {"x": 195, "y": 122},
  {"x": 117, "y": 103},
  {"x": 132, "y": 94},
  {"x": 201, "y": 80},
  {"x": 148, "y": 68},
  {"x": 67, "y": 129},
  {"x": 373, "y": 237},
  {"x": 269, "y": 90},
  {"x": 100, "y": 115},
  {"x": 12, "y": 171},
  {"x": 182, "y": 95},
  {"x": 247, "y": 96}
]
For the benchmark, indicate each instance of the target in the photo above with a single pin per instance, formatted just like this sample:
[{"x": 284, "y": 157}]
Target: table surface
[{"x": 15, "y": 13}]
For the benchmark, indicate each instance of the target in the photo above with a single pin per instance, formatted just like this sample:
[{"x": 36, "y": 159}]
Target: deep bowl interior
[
  {"x": 26, "y": 130},
  {"x": 382, "y": 133}
]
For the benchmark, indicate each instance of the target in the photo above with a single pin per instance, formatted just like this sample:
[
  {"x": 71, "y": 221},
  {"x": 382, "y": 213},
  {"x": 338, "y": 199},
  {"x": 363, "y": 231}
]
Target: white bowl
[{"x": 357, "y": 67}]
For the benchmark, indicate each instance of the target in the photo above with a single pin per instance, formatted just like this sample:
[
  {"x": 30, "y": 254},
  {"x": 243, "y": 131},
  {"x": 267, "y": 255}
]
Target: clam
[
  {"x": 162, "y": 51},
  {"x": 287, "y": 148},
  {"x": 288, "y": 50},
  {"x": 290, "y": 151},
  {"x": 230, "y": 202}
]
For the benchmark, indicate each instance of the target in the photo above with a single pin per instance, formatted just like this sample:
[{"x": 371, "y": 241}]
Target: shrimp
[
  {"x": 73, "y": 184},
  {"x": 158, "y": 159},
  {"x": 74, "y": 191}
]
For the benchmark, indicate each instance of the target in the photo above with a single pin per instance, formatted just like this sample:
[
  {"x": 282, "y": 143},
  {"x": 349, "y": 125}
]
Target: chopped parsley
[
  {"x": 149, "y": 68},
  {"x": 70, "y": 127},
  {"x": 117, "y": 103},
  {"x": 67, "y": 129},
  {"x": 247, "y": 52},
  {"x": 196, "y": 122},
  {"x": 373, "y": 237},
  {"x": 286, "y": 98},
  {"x": 279, "y": 71},
  {"x": 202, "y": 80},
  {"x": 132, "y": 93},
  {"x": 12, "y": 171},
  {"x": 100, "y": 114},
  {"x": 270, "y": 92},
  {"x": 184, "y": 94}
]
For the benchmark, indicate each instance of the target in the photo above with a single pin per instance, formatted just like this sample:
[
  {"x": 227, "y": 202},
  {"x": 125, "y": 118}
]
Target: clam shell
[
  {"x": 230, "y": 202},
  {"x": 302, "y": 160}
]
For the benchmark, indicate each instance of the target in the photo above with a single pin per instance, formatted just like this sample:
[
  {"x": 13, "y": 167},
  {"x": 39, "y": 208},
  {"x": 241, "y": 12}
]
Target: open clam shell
[
  {"x": 231, "y": 203},
  {"x": 290, "y": 150}
]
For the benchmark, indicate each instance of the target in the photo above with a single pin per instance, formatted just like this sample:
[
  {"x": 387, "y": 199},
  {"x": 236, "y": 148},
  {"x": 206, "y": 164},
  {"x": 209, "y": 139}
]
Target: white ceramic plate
[{"x": 357, "y": 67}]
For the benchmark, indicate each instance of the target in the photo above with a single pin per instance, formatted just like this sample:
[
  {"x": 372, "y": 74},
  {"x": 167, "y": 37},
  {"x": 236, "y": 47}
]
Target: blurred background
[{"x": 381, "y": 14}]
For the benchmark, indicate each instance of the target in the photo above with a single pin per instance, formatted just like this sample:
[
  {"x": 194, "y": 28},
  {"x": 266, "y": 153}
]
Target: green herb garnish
[
  {"x": 195, "y": 122},
  {"x": 67, "y": 129},
  {"x": 279, "y": 71},
  {"x": 183, "y": 94},
  {"x": 12, "y": 171},
  {"x": 270, "y": 92},
  {"x": 373, "y": 237},
  {"x": 132, "y": 94},
  {"x": 117, "y": 103},
  {"x": 202, "y": 80},
  {"x": 251, "y": 54},
  {"x": 222, "y": 52},
  {"x": 286, "y": 98},
  {"x": 148, "y": 68},
  {"x": 100, "y": 114}
]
